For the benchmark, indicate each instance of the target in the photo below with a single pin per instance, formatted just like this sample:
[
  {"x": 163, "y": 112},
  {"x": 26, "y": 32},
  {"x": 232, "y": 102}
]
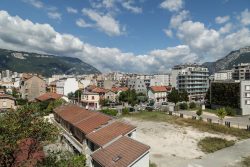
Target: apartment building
[
  {"x": 223, "y": 75},
  {"x": 241, "y": 72},
  {"x": 66, "y": 85},
  {"x": 158, "y": 94},
  {"x": 90, "y": 100},
  {"x": 192, "y": 78},
  {"x": 232, "y": 93},
  {"x": 32, "y": 86},
  {"x": 138, "y": 85},
  {"x": 160, "y": 80}
]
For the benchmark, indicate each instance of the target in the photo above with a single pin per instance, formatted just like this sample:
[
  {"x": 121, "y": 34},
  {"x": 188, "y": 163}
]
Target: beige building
[
  {"x": 32, "y": 87},
  {"x": 7, "y": 102},
  {"x": 90, "y": 100},
  {"x": 111, "y": 96}
]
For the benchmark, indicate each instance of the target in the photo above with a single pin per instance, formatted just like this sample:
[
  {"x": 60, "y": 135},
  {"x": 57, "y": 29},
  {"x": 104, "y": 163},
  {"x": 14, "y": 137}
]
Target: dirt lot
[{"x": 171, "y": 145}]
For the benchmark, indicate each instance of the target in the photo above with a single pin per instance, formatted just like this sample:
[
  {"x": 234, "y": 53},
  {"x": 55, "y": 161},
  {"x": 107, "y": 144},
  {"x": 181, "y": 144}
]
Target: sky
[{"x": 143, "y": 36}]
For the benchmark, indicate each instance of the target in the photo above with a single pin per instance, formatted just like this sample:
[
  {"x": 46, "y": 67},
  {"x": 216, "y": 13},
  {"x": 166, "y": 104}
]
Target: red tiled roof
[
  {"x": 99, "y": 90},
  {"x": 110, "y": 132},
  {"x": 121, "y": 153},
  {"x": 160, "y": 88},
  {"x": 83, "y": 119},
  {"x": 93, "y": 122},
  {"x": 116, "y": 89},
  {"x": 48, "y": 96}
]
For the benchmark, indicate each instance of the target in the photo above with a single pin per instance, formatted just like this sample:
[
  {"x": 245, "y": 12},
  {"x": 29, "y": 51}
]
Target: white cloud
[
  {"x": 245, "y": 17},
  {"x": 71, "y": 10},
  {"x": 82, "y": 23},
  {"x": 172, "y": 5},
  {"x": 198, "y": 37},
  {"x": 129, "y": 6},
  {"x": 222, "y": 19},
  {"x": 176, "y": 20},
  {"x": 105, "y": 23},
  {"x": 168, "y": 32},
  {"x": 35, "y": 3},
  {"x": 226, "y": 29},
  {"x": 17, "y": 33},
  {"x": 55, "y": 15}
]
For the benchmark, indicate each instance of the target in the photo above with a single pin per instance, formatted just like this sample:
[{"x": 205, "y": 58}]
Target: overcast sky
[{"x": 127, "y": 35}]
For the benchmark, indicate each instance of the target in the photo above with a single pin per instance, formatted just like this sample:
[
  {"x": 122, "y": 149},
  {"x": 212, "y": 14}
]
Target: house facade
[
  {"x": 159, "y": 94},
  {"x": 66, "y": 86},
  {"x": 7, "y": 102},
  {"x": 90, "y": 100},
  {"x": 111, "y": 96},
  {"x": 32, "y": 87}
]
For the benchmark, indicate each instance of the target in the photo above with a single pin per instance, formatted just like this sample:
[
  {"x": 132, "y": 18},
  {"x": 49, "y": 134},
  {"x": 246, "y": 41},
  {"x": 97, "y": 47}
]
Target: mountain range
[
  {"x": 43, "y": 64},
  {"x": 233, "y": 58}
]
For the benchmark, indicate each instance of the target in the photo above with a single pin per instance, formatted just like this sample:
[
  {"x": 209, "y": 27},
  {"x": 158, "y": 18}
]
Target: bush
[
  {"x": 183, "y": 106},
  {"x": 192, "y": 105},
  {"x": 212, "y": 144},
  {"x": 110, "y": 112},
  {"x": 125, "y": 111},
  {"x": 199, "y": 112},
  {"x": 246, "y": 162},
  {"x": 230, "y": 111}
]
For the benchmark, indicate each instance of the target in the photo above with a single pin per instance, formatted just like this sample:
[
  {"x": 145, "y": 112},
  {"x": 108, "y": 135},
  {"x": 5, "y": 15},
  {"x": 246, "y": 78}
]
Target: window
[
  {"x": 4, "y": 104},
  {"x": 247, "y": 94},
  {"x": 93, "y": 97},
  {"x": 247, "y": 87},
  {"x": 247, "y": 102}
]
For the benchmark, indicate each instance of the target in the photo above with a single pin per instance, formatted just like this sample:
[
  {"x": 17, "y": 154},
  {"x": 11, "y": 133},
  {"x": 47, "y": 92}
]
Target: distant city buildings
[{"x": 223, "y": 75}]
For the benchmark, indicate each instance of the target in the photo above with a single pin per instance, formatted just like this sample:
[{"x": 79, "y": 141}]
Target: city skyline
[{"x": 129, "y": 36}]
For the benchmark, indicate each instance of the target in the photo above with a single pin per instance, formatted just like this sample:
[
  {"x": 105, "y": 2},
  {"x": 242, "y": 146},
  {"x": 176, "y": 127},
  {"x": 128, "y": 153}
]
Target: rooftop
[
  {"x": 110, "y": 132},
  {"x": 121, "y": 153},
  {"x": 49, "y": 96}
]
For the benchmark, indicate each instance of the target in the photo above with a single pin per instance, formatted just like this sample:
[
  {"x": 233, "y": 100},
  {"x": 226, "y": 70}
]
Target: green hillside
[{"x": 46, "y": 65}]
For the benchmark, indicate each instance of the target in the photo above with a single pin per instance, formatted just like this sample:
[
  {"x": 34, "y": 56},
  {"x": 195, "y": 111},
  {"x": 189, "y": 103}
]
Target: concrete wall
[
  {"x": 142, "y": 162},
  {"x": 245, "y": 97}
]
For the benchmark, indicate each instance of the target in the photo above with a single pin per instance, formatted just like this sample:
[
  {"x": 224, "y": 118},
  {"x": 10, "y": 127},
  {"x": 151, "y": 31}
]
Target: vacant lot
[{"x": 171, "y": 144}]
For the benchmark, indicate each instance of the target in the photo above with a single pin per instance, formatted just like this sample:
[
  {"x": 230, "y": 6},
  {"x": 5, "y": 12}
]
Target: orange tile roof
[
  {"x": 160, "y": 88},
  {"x": 93, "y": 122},
  {"x": 110, "y": 132},
  {"x": 121, "y": 153},
  {"x": 83, "y": 119},
  {"x": 48, "y": 96},
  {"x": 116, "y": 89},
  {"x": 99, "y": 90}
]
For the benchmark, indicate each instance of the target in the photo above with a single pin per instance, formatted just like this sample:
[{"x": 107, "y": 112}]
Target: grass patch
[
  {"x": 212, "y": 144},
  {"x": 152, "y": 164},
  {"x": 246, "y": 162},
  {"x": 200, "y": 125}
]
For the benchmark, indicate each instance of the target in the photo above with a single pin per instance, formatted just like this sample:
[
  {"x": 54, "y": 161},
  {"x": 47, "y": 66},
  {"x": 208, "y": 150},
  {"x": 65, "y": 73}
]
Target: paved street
[
  {"x": 228, "y": 157},
  {"x": 241, "y": 122}
]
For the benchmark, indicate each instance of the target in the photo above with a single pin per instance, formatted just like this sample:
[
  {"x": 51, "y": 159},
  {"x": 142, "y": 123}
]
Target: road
[
  {"x": 241, "y": 121},
  {"x": 228, "y": 157}
]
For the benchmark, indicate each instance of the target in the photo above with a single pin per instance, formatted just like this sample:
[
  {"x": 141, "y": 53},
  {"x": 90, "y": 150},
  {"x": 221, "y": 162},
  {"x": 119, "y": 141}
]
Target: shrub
[
  {"x": 230, "y": 111},
  {"x": 125, "y": 111},
  {"x": 212, "y": 144},
  {"x": 111, "y": 112},
  {"x": 183, "y": 106},
  {"x": 192, "y": 105},
  {"x": 199, "y": 112},
  {"x": 246, "y": 162}
]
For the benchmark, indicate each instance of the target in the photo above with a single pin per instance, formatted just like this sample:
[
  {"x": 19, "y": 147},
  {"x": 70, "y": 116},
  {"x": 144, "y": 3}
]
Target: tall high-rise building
[{"x": 192, "y": 78}]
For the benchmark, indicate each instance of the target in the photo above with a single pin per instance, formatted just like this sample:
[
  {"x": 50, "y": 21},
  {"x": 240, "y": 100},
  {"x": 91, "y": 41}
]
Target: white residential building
[
  {"x": 66, "y": 86},
  {"x": 90, "y": 100},
  {"x": 138, "y": 85},
  {"x": 158, "y": 94},
  {"x": 160, "y": 80},
  {"x": 223, "y": 75},
  {"x": 192, "y": 78}
]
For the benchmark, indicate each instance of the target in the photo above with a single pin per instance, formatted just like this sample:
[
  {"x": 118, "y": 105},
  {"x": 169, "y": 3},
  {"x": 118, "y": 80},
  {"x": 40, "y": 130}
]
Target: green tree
[
  {"x": 199, "y": 112},
  {"x": 221, "y": 113},
  {"x": 110, "y": 112},
  {"x": 192, "y": 105},
  {"x": 24, "y": 123},
  {"x": 183, "y": 95},
  {"x": 78, "y": 94},
  {"x": 174, "y": 96}
]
